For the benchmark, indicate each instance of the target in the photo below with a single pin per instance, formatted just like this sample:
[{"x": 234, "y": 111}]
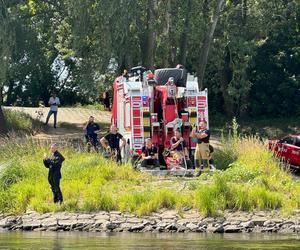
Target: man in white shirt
[{"x": 53, "y": 103}]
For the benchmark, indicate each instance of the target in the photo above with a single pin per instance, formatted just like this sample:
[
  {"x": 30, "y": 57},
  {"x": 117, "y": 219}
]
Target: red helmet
[{"x": 150, "y": 75}]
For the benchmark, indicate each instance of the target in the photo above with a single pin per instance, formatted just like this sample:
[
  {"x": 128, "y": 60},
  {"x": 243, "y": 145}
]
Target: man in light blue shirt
[{"x": 53, "y": 103}]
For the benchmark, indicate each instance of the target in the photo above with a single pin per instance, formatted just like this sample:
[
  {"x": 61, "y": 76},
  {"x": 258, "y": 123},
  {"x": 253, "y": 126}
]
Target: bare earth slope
[{"x": 71, "y": 122}]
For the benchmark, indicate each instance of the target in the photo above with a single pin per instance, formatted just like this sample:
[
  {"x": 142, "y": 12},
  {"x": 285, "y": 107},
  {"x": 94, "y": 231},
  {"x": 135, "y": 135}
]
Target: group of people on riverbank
[
  {"x": 114, "y": 142},
  {"x": 177, "y": 151}
]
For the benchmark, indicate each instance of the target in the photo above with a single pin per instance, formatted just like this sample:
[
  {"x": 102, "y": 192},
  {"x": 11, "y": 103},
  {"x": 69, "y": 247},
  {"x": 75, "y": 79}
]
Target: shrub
[
  {"x": 208, "y": 200},
  {"x": 262, "y": 198},
  {"x": 20, "y": 122}
]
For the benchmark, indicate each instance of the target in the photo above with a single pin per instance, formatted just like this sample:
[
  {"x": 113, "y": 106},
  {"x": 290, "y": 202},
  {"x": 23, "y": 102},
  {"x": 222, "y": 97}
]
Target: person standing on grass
[
  {"x": 125, "y": 74},
  {"x": 53, "y": 103},
  {"x": 112, "y": 141},
  {"x": 106, "y": 101},
  {"x": 54, "y": 163},
  {"x": 202, "y": 152}
]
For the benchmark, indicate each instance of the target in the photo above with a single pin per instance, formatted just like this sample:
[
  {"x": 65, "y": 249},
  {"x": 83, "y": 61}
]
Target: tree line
[{"x": 246, "y": 52}]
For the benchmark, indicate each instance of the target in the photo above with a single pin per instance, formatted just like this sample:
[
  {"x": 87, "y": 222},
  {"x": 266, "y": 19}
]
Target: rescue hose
[
  {"x": 185, "y": 164},
  {"x": 177, "y": 115},
  {"x": 176, "y": 109}
]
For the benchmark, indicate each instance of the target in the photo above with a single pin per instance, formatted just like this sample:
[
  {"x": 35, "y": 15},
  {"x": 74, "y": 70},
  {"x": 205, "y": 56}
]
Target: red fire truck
[{"x": 154, "y": 105}]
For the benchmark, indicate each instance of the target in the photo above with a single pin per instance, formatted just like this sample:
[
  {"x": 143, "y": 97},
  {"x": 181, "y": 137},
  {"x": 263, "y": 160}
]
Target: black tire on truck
[{"x": 163, "y": 75}]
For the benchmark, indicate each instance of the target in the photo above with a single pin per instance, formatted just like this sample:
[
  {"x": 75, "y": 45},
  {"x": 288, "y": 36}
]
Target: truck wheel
[{"x": 163, "y": 75}]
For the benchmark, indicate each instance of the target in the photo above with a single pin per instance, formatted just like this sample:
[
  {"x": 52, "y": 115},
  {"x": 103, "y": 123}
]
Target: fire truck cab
[{"x": 154, "y": 105}]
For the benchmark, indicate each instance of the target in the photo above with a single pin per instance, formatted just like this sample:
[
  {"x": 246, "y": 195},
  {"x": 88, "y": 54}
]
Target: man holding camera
[{"x": 54, "y": 163}]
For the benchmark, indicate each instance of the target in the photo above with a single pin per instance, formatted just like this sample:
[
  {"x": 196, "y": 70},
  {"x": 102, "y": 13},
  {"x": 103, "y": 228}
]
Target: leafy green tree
[
  {"x": 6, "y": 47},
  {"x": 244, "y": 51}
]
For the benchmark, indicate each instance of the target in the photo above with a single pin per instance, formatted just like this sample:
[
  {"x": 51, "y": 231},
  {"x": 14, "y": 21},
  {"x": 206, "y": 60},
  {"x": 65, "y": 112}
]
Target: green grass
[
  {"x": 252, "y": 180},
  {"x": 20, "y": 122}
]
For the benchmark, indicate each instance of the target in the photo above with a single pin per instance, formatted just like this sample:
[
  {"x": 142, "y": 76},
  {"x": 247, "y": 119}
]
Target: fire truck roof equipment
[{"x": 162, "y": 76}]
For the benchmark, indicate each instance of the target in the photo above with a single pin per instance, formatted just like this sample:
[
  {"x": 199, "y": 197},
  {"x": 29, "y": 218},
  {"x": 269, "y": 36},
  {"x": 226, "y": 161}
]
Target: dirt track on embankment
[{"x": 71, "y": 122}]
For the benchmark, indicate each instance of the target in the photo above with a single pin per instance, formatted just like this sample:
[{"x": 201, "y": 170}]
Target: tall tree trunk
[
  {"x": 172, "y": 37},
  {"x": 246, "y": 98},
  {"x": 2, "y": 118},
  {"x": 9, "y": 95},
  {"x": 184, "y": 36},
  {"x": 207, "y": 42},
  {"x": 225, "y": 79},
  {"x": 244, "y": 12},
  {"x": 125, "y": 59},
  {"x": 166, "y": 35},
  {"x": 2, "y": 122},
  {"x": 150, "y": 36},
  {"x": 5, "y": 44}
]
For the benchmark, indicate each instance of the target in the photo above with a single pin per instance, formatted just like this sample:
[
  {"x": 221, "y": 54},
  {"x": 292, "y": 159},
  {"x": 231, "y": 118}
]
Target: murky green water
[{"x": 73, "y": 240}]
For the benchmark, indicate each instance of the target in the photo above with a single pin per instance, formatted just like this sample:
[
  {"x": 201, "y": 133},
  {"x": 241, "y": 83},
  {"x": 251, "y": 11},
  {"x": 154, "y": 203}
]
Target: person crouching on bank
[{"x": 149, "y": 155}]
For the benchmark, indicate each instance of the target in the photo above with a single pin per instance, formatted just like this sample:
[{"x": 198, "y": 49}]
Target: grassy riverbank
[{"x": 254, "y": 181}]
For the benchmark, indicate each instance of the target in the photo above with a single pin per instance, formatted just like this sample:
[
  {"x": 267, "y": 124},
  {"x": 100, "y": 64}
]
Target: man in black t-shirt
[
  {"x": 112, "y": 141},
  {"x": 149, "y": 155},
  {"x": 91, "y": 129}
]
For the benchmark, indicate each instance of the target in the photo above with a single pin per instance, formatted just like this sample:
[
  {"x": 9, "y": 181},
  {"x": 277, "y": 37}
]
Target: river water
[{"x": 75, "y": 240}]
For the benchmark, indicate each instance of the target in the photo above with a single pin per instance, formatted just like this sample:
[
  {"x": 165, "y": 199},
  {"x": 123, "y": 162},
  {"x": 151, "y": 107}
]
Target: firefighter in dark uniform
[
  {"x": 112, "y": 142},
  {"x": 91, "y": 129},
  {"x": 202, "y": 152},
  {"x": 149, "y": 155},
  {"x": 54, "y": 163}
]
